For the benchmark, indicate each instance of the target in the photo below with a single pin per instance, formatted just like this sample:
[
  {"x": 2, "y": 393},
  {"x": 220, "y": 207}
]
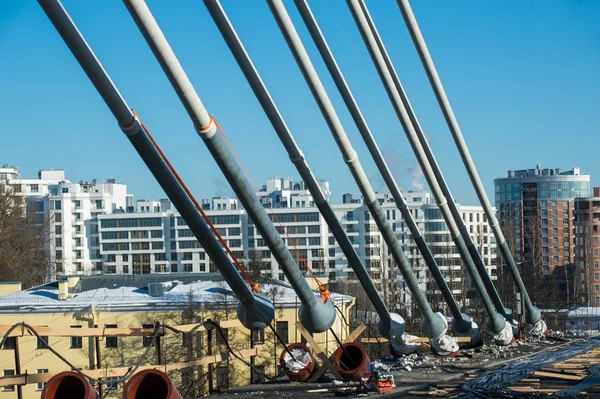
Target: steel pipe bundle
[
  {"x": 497, "y": 324},
  {"x": 255, "y": 311},
  {"x": 316, "y": 313},
  {"x": 390, "y": 326},
  {"x": 433, "y": 324},
  {"x": 532, "y": 313},
  {"x": 462, "y": 323}
]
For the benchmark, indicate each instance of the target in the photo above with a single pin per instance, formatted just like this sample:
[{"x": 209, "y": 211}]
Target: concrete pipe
[
  {"x": 150, "y": 384},
  {"x": 301, "y": 368},
  {"x": 351, "y": 361},
  {"x": 69, "y": 385}
]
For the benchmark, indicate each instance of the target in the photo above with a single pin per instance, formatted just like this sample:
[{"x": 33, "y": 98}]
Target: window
[
  {"x": 258, "y": 375},
  {"x": 111, "y": 342},
  {"x": 314, "y": 229},
  {"x": 58, "y": 229},
  {"x": 187, "y": 256},
  {"x": 188, "y": 268},
  {"x": 222, "y": 377},
  {"x": 595, "y": 264},
  {"x": 156, "y": 234},
  {"x": 596, "y": 276},
  {"x": 173, "y": 256},
  {"x": 174, "y": 266},
  {"x": 10, "y": 388},
  {"x": 40, "y": 385},
  {"x": 282, "y": 330},
  {"x": 147, "y": 340},
  {"x": 76, "y": 342},
  {"x": 221, "y": 336},
  {"x": 598, "y": 300},
  {"x": 110, "y": 384},
  {"x": 596, "y": 252},
  {"x": 258, "y": 336},
  {"x": 57, "y": 205},
  {"x": 58, "y": 242},
  {"x": 10, "y": 343},
  {"x": 43, "y": 342},
  {"x": 125, "y": 269},
  {"x": 314, "y": 241},
  {"x": 596, "y": 288}
]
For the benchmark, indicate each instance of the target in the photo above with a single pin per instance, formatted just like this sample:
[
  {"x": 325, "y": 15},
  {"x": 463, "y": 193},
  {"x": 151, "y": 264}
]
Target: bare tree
[{"x": 24, "y": 254}]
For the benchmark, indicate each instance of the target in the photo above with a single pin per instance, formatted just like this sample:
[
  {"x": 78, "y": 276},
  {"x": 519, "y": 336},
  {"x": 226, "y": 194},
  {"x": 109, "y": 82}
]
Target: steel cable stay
[{"x": 322, "y": 289}]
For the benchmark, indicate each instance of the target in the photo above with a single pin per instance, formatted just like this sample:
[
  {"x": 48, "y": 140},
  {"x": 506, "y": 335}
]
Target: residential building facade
[
  {"x": 535, "y": 209},
  {"x": 587, "y": 249}
]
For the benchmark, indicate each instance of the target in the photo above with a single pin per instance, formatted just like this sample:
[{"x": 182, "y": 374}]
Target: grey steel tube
[
  {"x": 316, "y": 314},
  {"x": 432, "y": 325},
  {"x": 462, "y": 323},
  {"x": 472, "y": 249},
  {"x": 532, "y": 313},
  {"x": 255, "y": 311},
  {"x": 495, "y": 322},
  {"x": 297, "y": 157}
]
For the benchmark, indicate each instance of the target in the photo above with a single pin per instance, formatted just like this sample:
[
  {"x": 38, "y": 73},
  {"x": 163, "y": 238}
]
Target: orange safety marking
[
  {"x": 322, "y": 289},
  {"x": 239, "y": 266}
]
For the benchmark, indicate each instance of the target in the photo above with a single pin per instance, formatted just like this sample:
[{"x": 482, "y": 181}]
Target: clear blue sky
[{"x": 523, "y": 77}]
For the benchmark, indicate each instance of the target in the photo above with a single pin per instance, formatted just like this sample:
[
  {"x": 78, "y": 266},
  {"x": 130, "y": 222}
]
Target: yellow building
[{"x": 95, "y": 305}]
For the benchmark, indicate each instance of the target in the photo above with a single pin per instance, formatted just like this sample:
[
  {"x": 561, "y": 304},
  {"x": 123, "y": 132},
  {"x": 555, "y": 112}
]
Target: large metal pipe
[
  {"x": 495, "y": 322},
  {"x": 433, "y": 324},
  {"x": 472, "y": 249},
  {"x": 69, "y": 385},
  {"x": 316, "y": 313},
  {"x": 461, "y": 323},
  {"x": 150, "y": 383},
  {"x": 254, "y": 310},
  {"x": 389, "y": 326},
  {"x": 532, "y": 313}
]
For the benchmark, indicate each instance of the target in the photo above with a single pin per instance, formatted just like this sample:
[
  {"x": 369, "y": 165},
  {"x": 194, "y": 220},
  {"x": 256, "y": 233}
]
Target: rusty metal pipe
[
  {"x": 298, "y": 350},
  {"x": 150, "y": 383},
  {"x": 69, "y": 385},
  {"x": 351, "y": 360}
]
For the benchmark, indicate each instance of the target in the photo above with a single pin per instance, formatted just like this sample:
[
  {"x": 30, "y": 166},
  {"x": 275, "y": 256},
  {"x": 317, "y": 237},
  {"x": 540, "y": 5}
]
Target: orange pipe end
[
  {"x": 150, "y": 383},
  {"x": 302, "y": 374},
  {"x": 351, "y": 362},
  {"x": 69, "y": 385}
]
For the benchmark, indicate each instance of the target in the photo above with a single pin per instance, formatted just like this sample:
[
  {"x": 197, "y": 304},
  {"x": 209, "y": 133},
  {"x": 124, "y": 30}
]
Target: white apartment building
[
  {"x": 71, "y": 211},
  {"x": 284, "y": 193},
  {"x": 11, "y": 177},
  {"x": 161, "y": 242}
]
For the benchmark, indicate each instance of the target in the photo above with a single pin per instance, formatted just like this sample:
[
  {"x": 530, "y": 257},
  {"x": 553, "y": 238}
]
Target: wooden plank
[
  {"x": 355, "y": 334},
  {"x": 107, "y": 332},
  {"x": 325, "y": 362},
  {"x": 559, "y": 376},
  {"x": 120, "y": 371}
]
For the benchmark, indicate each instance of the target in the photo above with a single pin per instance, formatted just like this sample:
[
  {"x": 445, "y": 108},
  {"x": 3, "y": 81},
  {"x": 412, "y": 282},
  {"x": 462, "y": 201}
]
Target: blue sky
[{"x": 523, "y": 78}]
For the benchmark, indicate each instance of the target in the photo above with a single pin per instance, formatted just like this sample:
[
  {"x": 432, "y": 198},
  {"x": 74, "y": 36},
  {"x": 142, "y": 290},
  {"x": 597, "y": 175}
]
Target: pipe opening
[
  {"x": 351, "y": 358},
  {"x": 69, "y": 387},
  {"x": 301, "y": 367},
  {"x": 152, "y": 386}
]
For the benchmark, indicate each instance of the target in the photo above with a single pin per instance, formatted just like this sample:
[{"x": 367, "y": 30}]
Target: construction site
[{"x": 230, "y": 333}]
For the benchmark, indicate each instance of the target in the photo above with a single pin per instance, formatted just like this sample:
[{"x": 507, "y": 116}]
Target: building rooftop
[{"x": 120, "y": 292}]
